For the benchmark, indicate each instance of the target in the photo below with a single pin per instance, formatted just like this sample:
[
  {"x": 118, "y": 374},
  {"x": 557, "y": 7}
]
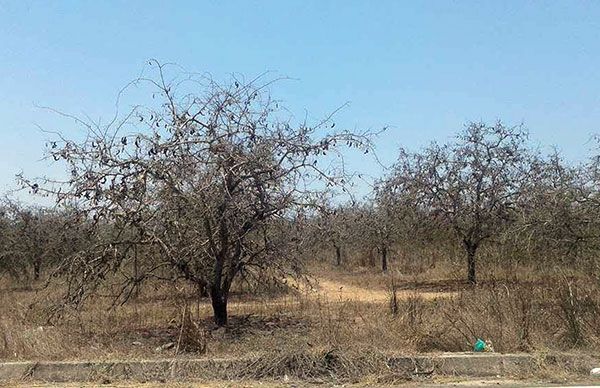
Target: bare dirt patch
[{"x": 333, "y": 291}]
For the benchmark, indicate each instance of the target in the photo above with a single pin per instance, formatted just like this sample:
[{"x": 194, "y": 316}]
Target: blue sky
[{"x": 423, "y": 68}]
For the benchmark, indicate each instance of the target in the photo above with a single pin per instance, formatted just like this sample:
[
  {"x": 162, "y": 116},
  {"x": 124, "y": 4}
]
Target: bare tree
[
  {"x": 388, "y": 215},
  {"x": 32, "y": 239},
  {"x": 473, "y": 185},
  {"x": 7, "y": 243},
  {"x": 333, "y": 229},
  {"x": 557, "y": 216},
  {"x": 200, "y": 184}
]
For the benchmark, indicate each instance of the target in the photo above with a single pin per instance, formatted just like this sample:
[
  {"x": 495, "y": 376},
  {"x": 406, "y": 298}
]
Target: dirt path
[{"x": 336, "y": 291}]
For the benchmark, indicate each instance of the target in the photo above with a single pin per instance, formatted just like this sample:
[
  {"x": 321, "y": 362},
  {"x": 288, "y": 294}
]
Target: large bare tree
[
  {"x": 473, "y": 185},
  {"x": 202, "y": 186}
]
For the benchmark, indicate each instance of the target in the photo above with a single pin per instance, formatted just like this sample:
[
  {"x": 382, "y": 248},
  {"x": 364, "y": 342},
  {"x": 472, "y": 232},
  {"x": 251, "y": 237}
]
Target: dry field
[{"x": 340, "y": 312}]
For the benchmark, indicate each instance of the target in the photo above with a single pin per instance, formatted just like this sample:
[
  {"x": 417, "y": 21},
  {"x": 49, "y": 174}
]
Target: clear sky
[{"x": 424, "y": 68}]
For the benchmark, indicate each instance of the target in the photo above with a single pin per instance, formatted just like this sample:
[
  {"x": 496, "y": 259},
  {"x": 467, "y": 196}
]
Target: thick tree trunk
[
  {"x": 338, "y": 255},
  {"x": 384, "y": 258},
  {"x": 219, "y": 305},
  {"x": 471, "y": 275}
]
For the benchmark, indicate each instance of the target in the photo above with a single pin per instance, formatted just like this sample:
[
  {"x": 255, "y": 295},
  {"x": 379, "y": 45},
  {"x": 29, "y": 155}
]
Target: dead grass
[
  {"x": 344, "y": 313},
  {"x": 434, "y": 382}
]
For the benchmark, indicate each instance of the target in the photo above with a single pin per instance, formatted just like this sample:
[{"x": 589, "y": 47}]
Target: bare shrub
[
  {"x": 24, "y": 334},
  {"x": 578, "y": 308},
  {"x": 192, "y": 335}
]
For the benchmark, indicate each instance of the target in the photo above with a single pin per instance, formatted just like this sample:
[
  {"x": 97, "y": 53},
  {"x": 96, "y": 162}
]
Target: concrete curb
[
  {"x": 455, "y": 364},
  {"x": 138, "y": 370}
]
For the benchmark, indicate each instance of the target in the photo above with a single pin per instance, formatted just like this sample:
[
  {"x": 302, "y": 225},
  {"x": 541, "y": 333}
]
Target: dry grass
[
  {"x": 435, "y": 382},
  {"x": 346, "y": 313}
]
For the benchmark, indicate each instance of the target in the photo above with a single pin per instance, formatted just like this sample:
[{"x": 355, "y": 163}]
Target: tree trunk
[
  {"x": 384, "y": 259},
  {"x": 202, "y": 291},
  {"x": 219, "y": 305},
  {"x": 136, "y": 294},
  {"x": 471, "y": 275},
  {"x": 338, "y": 255},
  {"x": 37, "y": 268}
]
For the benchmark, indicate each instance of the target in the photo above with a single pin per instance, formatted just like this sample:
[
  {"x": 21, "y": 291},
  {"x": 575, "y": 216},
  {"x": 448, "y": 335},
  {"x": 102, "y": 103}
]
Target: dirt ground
[{"x": 333, "y": 290}]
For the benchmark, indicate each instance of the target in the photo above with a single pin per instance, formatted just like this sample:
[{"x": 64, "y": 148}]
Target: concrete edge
[{"x": 181, "y": 369}]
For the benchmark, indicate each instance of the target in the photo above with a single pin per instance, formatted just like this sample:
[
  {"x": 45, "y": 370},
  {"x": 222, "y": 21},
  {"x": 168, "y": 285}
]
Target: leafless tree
[
  {"x": 200, "y": 185},
  {"x": 556, "y": 212},
  {"x": 7, "y": 243},
  {"x": 333, "y": 228},
  {"x": 32, "y": 239},
  {"x": 592, "y": 180},
  {"x": 388, "y": 216},
  {"x": 473, "y": 184}
]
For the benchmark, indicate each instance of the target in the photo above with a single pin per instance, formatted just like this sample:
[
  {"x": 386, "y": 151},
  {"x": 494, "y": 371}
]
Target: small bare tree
[
  {"x": 204, "y": 186},
  {"x": 557, "y": 215},
  {"x": 592, "y": 179},
  {"x": 387, "y": 217},
  {"x": 333, "y": 229},
  {"x": 7, "y": 242},
  {"x": 473, "y": 185},
  {"x": 31, "y": 239}
]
